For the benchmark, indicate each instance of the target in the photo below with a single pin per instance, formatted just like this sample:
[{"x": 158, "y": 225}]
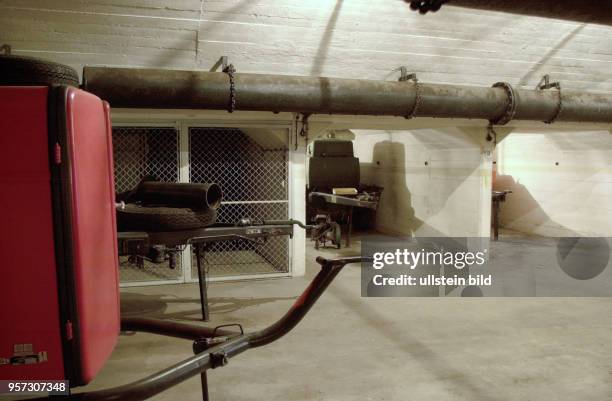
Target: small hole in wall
[
  {"x": 378, "y": 162},
  {"x": 427, "y": 163},
  {"x": 556, "y": 163}
]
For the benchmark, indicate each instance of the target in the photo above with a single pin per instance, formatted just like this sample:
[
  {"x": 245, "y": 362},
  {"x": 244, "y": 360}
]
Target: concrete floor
[{"x": 354, "y": 348}]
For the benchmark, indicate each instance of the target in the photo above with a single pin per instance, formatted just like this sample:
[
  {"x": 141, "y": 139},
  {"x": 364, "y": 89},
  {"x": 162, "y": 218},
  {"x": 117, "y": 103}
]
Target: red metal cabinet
[{"x": 59, "y": 297}]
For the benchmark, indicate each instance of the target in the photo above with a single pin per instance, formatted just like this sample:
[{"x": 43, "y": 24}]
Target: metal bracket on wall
[
  {"x": 484, "y": 137},
  {"x": 489, "y": 138},
  {"x": 546, "y": 84},
  {"x": 404, "y": 76},
  {"x": 222, "y": 62}
]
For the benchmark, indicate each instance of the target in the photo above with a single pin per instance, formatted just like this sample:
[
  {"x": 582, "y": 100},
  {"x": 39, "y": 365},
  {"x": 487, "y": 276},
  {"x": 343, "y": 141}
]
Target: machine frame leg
[
  {"x": 199, "y": 251},
  {"x": 204, "y": 380},
  {"x": 350, "y": 227},
  {"x": 496, "y": 219}
]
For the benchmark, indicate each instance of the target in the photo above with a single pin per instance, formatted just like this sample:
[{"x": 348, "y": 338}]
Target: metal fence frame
[
  {"x": 183, "y": 126},
  {"x": 184, "y": 146}
]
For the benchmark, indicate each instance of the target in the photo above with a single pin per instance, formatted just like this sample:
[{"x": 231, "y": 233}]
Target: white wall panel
[
  {"x": 561, "y": 182},
  {"x": 433, "y": 180}
]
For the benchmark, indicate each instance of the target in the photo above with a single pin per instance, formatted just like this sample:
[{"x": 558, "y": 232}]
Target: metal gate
[
  {"x": 138, "y": 152},
  {"x": 252, "y": 167}
]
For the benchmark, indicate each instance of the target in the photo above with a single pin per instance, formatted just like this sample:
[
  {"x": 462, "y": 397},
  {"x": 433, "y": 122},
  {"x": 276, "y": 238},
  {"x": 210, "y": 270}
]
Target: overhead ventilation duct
[{"x": 177, "y": 89}]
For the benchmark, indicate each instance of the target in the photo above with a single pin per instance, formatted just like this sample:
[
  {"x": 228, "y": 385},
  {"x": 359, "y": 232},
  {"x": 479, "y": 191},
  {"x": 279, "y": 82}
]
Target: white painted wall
[
  {"x": 297, "y": 207},
  {"x": 341, "y": 38},
  {"x": 564, "y": 199},
  {"x": 436, "y": 181}
]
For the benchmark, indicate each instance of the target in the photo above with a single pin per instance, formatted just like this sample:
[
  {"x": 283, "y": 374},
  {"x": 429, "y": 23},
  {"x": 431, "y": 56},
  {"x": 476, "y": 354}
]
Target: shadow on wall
[
  {"x": 525, "y": 207},
  {"x": 319, "y": 59},
  {"x": 568, "y": 175},
  {"x": 396, "y": 213},
  {"x": 396, "y": 199},
  {"x": 537, "y": 67}
]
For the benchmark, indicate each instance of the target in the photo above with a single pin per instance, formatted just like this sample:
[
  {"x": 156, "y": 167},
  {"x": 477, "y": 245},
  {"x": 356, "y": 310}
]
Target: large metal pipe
[
  {"x": 175, "y": 89},
  {"x": 190, "y": 195},
  {"x": 590, "y": 11}
]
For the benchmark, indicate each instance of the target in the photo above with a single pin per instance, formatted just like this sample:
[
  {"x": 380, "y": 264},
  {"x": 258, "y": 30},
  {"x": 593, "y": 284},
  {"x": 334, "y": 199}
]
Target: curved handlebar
[{"x": 217, "y": 355}]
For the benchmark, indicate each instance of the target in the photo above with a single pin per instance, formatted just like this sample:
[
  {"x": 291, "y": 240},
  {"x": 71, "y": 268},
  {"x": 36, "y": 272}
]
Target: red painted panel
[
  {"x": 94, "y": 229},
  {"x": 29, "y": 310}
]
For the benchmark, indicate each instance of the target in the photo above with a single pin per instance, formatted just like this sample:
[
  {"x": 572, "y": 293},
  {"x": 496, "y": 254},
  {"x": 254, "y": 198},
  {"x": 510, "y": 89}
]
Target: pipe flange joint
[{"x": 510, "y": 111}]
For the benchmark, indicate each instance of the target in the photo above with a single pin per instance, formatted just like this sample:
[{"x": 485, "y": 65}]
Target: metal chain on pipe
[
  {"x": 546, "y": 84},
  {"x": 491, "y": 135},
  {"x": 295, "y": 129},
  {"x": 510, "y": 111},
  {"x": 559, "y": 107},
  {"x": 305, "y": 128},
  {"x": 417, "y": 95},
  {"x": 230, "y": 70}
]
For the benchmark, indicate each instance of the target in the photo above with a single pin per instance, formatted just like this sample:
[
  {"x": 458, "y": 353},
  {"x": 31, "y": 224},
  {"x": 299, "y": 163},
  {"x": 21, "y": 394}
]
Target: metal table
[
  {"x": 253, "y": 231},
  {"x": 348, "y": 202}
]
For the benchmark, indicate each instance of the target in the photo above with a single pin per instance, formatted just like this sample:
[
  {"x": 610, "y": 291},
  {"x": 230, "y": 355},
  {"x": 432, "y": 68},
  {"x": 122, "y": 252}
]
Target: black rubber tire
[
  {"x": 30, "y": 71},
  {"x": 160, "y": 219}
]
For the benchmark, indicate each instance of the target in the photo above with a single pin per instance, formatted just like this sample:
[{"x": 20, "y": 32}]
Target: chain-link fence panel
[
  {"x": 140, "y": 152},
  {"x": 252, "y": 170}
]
